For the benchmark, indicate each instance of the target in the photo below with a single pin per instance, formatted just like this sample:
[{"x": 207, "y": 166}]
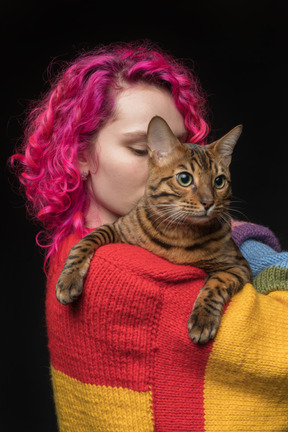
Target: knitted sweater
[{"x": 121, "y": 358}]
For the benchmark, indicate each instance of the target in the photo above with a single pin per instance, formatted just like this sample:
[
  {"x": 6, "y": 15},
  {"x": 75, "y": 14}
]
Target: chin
[{"x": 200, "y": 219}]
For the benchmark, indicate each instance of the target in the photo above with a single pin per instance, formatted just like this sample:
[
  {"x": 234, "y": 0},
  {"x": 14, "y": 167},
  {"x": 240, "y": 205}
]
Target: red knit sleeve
[{"x": 119, "y": 334}]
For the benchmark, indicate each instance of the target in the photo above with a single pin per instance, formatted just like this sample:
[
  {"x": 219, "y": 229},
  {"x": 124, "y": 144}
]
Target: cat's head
[{"x": 188, "y": 182}]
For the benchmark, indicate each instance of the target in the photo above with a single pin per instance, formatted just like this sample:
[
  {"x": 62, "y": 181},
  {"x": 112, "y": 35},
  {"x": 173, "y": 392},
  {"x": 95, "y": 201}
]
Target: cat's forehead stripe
[
  {"x": 192, "y": 163},
  {"x": 201, "y": 157}
]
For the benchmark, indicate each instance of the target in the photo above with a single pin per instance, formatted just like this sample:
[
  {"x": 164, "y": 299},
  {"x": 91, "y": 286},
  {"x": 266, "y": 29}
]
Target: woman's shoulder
[
  {"x": 119, "y": 257},
  {"x": 140, "y": 262},
  {"x": 118, "y": 261}
]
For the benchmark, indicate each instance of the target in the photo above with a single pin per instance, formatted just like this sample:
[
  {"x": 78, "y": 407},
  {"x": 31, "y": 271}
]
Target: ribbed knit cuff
[
  {"x": 242, "y": 231},
  {"x": 269, "y": 268},
  {"x": 271, "y": 279}
]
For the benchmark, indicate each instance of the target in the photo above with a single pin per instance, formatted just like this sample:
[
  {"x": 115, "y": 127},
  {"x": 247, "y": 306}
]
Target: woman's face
[{"x": 118, "y": 182}]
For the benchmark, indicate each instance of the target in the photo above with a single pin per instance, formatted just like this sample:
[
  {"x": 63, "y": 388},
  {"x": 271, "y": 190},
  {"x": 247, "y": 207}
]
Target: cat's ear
[
  {"x": 160, "y": 140},
  {"x": 225, "y": 145}
]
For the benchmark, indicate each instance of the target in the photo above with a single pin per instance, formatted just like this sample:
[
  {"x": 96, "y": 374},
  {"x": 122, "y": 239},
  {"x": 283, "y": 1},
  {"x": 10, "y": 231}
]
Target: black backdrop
[{"x": 239, "y": 52}]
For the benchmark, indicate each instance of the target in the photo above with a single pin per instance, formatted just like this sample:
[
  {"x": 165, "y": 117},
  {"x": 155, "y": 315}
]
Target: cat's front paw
[
  {"x": 202, "y": 326},
  {"x": 69, "y": 287}
]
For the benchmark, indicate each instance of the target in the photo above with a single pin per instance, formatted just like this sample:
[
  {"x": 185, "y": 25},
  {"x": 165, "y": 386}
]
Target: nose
[{"x": 207, "y": 203}]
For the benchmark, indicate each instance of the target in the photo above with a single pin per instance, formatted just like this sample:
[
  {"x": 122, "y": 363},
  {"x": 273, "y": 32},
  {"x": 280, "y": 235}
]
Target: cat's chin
[{"x": 200, "y": 220}]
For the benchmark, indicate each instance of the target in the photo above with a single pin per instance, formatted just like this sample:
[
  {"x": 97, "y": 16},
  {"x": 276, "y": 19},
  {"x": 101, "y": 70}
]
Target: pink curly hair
[{"x": 64, "y": 122}]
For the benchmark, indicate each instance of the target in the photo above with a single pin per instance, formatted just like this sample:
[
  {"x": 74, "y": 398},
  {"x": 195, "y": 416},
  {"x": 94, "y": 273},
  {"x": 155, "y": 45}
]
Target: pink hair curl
[{"x": 80, "y": 101}]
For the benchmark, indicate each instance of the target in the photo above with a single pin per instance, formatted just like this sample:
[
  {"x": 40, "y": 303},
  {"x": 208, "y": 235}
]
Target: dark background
[{"x": 239, "y": 52}]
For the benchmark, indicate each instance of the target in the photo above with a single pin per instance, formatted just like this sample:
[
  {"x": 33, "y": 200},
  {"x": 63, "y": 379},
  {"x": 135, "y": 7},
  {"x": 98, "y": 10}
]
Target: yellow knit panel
[
  {"x": 246, "y": 380},
  {"x": 92, "y": 408}
]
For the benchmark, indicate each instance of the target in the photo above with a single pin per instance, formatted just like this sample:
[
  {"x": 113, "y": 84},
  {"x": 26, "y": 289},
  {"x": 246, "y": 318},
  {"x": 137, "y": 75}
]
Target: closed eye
[{"x": 139, "y": 152}]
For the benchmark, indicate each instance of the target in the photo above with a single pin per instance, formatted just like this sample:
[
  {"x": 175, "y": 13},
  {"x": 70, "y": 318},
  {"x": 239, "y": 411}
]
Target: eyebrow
[
  {"x": 135, "y": 135},
  {"x": 142, "y": 136}
]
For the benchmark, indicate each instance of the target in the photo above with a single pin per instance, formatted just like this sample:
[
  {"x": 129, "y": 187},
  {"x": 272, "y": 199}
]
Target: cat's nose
[{"x": 207, "y": 203}]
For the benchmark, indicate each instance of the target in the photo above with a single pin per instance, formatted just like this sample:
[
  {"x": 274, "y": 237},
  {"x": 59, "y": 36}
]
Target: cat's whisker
[
  {"x": 237, "y": 202},
  {"x": 234, "y": 209},
  {"x": 168, "y": 220},
  {"x": 160, "y": 209},
  {"x": 239, "y": 212},
  {"x": 168, "y": 216},
  {"x": 160, "y": 206},
  {"x": 223, "y": 218},
  {"x": 171, "y": 217},
  {"x": 175, "y": 219},
  {"x": 238, "y": 199}
]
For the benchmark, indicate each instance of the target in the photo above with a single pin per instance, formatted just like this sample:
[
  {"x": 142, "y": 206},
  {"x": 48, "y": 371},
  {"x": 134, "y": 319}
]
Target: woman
[{"x": 121, "y": 358}]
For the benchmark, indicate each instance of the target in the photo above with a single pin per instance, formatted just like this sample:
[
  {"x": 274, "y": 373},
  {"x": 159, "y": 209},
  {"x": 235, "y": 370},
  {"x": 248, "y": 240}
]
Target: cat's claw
[{"x": 202, "y": 328}]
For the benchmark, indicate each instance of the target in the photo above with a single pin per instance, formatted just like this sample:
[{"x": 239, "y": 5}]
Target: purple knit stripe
[{"x": 249, "y": 231}]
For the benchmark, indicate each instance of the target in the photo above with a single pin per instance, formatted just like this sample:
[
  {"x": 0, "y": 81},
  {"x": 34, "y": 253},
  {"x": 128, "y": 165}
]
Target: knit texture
[
  {"x": 262, "y": 250},
  {"x": 121, "y": 358},
  {"x": 242, "y": 231}
]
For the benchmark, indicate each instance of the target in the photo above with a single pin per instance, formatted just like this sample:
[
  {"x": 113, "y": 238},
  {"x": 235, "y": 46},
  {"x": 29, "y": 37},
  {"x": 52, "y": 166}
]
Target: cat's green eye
[
  {"x": 184, "y": 179},
  {"x": 220, "y": 182}
]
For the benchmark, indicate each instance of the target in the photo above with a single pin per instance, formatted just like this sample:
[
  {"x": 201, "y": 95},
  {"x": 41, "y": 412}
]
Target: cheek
[
  {"x": 123, "y": 175},
  {"x": 132, "y": 174}
]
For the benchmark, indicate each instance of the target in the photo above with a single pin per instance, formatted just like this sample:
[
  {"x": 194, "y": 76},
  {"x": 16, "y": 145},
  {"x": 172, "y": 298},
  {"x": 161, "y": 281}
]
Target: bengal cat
[{"x": 182, "y": 217}]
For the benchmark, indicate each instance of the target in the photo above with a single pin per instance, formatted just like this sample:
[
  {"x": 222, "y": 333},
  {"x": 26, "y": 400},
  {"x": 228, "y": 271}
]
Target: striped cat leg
[
  {"x": 207, "y": 310},
  {"x": 70, "y": 283}
]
